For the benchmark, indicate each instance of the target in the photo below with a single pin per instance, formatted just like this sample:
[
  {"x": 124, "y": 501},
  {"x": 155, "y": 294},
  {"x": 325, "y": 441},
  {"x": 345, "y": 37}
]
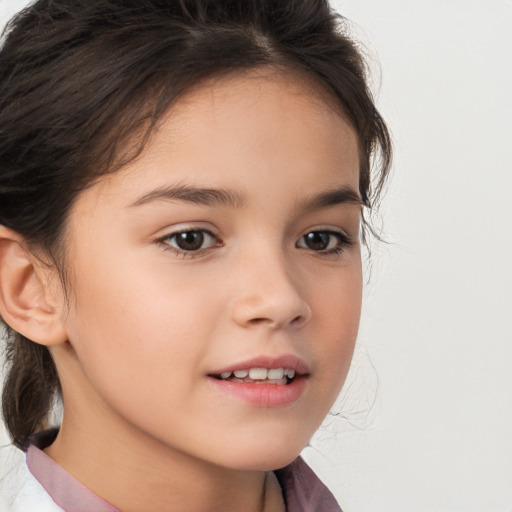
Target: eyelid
[
  {"x": 183, "y": 227},
  {"x": 328, "y": 229}
]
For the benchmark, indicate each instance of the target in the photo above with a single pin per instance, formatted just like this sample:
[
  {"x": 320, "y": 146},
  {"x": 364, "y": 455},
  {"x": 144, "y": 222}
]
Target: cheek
[
  {"x": 337, "y": 324},
  {"x": 140, "y": 330}
]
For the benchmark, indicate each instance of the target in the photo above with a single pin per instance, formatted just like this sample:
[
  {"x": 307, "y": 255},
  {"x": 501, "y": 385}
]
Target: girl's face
[{"x": 230, "y": 244}]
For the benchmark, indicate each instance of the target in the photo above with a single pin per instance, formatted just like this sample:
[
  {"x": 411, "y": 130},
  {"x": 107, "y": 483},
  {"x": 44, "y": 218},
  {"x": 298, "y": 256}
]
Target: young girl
[{"x": 182, "y": 189}]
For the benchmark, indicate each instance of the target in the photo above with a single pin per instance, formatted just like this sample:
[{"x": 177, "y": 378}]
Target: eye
[
  {"x": 191, "y": 240},
  {"x": 326, "y": 242}
]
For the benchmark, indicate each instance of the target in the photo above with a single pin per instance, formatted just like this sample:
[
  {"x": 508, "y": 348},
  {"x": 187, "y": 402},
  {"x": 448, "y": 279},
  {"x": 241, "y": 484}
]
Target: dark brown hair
[{"x": 80, "y": 78}]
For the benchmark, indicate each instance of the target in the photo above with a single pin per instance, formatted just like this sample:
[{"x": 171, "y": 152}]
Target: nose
[{"x": 268, "y": 295}]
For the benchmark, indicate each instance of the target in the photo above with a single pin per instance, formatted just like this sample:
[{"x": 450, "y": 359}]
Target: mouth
[
  {"x": 277, "y": 376},
  {"x": 264, "y": 381}
]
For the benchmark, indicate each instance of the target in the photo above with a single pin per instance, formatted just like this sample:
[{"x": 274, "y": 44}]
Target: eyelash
[{"x": 344, "y": 241}]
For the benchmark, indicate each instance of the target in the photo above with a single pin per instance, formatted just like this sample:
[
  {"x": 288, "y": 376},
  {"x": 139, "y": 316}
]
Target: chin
[{"x": 264, "y": 456}]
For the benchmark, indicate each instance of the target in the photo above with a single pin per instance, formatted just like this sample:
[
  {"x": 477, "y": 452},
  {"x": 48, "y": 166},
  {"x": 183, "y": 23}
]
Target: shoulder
[
  {"x": 303, "y": 491},
  {"x": 19, "y": 490}
]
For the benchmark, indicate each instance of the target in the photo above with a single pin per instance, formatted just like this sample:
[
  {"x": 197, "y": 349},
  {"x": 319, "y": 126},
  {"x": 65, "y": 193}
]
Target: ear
[{"x": 31, "y": 301}]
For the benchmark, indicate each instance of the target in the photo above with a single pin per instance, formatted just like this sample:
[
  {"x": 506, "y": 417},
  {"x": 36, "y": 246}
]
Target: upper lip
[{"x": 285, "y": 361}]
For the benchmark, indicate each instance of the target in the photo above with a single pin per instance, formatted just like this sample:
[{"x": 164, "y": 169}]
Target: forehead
[
  {"x": 290, "y": 82},
  {"x": 246, "y": 127},
  {"x": 286, "y": 92}
]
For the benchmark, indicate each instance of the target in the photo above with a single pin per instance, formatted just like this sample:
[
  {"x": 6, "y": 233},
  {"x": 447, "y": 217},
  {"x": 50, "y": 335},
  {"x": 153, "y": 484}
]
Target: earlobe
[{"x": 27, "y": 304}]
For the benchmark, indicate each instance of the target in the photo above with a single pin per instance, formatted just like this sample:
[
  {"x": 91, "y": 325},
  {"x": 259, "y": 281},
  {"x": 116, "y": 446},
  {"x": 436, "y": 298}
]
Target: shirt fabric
[{"x": 39, "y": 484}]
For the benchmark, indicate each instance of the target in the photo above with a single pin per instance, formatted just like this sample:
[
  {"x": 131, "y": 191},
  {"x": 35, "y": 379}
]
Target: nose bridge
[{"x": 268, "y": 291}]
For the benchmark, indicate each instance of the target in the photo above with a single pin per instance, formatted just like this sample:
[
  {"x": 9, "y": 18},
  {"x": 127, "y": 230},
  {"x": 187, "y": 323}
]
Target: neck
[{"x": 134, "y": 472}]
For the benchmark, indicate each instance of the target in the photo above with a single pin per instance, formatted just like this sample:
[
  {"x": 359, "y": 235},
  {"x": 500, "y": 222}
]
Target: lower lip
[{"x": 264, "y": 395}]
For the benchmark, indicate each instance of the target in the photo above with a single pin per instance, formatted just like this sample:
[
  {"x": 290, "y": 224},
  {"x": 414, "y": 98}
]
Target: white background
[{"x": 435, "y": 347}]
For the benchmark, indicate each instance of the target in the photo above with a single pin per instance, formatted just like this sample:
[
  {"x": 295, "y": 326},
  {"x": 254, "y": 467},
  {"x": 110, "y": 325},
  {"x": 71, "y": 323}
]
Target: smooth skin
[{"x": 272, "y": 272}]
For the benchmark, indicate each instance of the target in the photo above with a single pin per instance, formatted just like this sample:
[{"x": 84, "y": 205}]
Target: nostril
[
  {"x": 256, "y": 321},
  {"x": 298, "y": 320}
]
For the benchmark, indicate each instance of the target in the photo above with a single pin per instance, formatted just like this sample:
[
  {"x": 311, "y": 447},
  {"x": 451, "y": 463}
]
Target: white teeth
[
  {"x": 258, "y": 373},
  {"x": 276, "y": 373}
]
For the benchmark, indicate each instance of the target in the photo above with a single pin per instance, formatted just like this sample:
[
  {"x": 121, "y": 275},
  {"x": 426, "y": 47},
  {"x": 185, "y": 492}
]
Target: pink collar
[{"x": 66, "y": 491}]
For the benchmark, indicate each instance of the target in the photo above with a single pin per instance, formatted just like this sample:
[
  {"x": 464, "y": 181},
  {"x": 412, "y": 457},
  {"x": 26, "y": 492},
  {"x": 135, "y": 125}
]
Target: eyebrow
[
  {"x": 341, "y": 195},
  {"x": 219, "y": 197},
  {"x": 196, "y": 195}
]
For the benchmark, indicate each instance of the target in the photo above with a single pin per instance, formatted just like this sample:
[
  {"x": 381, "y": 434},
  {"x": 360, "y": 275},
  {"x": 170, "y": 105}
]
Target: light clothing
[{"x": 19, "y": 490}]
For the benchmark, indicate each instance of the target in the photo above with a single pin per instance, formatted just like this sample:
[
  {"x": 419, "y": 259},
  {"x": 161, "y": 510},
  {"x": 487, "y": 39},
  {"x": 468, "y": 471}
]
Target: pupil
[
  {"x": 190, "y": 240},
  {"x": 317, "y": 241}
]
